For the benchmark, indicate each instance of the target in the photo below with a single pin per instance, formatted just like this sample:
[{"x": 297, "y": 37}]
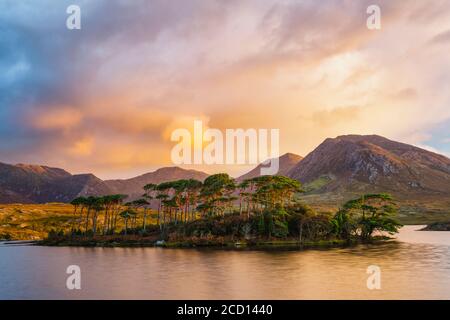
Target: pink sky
[{"x": 105, "y": 99}]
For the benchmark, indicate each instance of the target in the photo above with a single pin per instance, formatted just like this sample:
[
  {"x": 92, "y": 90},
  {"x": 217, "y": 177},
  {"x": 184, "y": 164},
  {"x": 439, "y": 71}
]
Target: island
[{"x": 258, "y": 212}]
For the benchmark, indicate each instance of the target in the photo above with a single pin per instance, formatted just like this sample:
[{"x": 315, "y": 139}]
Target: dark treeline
[{"x": 262, "y": 207}]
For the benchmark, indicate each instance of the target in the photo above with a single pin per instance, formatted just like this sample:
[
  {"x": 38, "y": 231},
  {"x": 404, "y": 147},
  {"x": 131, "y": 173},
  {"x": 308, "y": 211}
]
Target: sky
[{"x": 105, "y": 98}]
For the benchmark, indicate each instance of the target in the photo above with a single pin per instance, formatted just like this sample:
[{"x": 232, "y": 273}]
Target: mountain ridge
[
  {"x": 286, "y": 162},
  {"x": 338, "y": 169},
  {"x": 24, "y": 183},
  {"x": 347, "y": 166},
  {"x": 373, "y": 159},
  {"x": 134, "y": 186}
]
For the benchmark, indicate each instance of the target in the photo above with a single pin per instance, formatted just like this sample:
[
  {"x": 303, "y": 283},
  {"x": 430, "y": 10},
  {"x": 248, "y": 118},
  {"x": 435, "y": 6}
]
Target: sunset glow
[{"x": 105, "y": 99}]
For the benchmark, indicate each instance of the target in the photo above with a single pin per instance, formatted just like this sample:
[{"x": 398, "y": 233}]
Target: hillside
[
  {"x": 346, "y": 166},
  {"x": 337, "y": 170},
  {"x": 134, "y": 186},
  {"x": 286, "y": 163},
  {"x": 40, "y": 184}
]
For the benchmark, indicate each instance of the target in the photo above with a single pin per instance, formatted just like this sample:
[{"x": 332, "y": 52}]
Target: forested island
[{"x": 262, "y": 211}]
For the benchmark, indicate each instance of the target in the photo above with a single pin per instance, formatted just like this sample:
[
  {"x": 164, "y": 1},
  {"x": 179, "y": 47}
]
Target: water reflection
[{"x": 411, "y": 269}]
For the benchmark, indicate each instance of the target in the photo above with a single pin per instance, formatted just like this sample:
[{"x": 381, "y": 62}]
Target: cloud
[
  {"x": 405, "y": 94},
  {"x": 106, "y": 98},
  {"x": 83, "y": 147},
  {"x": 57, "y": 118},
  {"x": 441, "y": 38}
]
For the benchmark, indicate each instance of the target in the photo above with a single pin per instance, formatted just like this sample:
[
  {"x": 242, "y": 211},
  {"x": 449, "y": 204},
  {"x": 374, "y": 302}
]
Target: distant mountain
[
  {"x": 337, "y": 170},
  {"x": 350, "y": 165},
  {"x": 79, "y": 185},
  {"x": 134, "y": 186},
  {"x": 40, "y": 184},
  {"x": 8, "y": 196},
  {"x": 286, "y": 163}
]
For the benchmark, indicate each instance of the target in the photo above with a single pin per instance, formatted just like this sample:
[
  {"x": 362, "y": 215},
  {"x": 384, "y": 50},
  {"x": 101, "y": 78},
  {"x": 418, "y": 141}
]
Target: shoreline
[
  {"x": 437, "y": 226},
  {"x": 232, "y": 245},
  {"x": 11, "y": 243}
]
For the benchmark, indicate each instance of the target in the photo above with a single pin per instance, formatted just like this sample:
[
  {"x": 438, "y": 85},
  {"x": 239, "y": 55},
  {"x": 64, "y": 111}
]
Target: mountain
[
  {"x": 78, "y": 185},
  {"x": 337, "y": 170},
  {"x": 37, "y": 184},
  {"x": 353, "y": 164},
  {"x": 40, "y": 184},
  {"x": 134, "y": 186},
  {"x": 8, "y": 196},
  {"x": 286, "y": 163}
]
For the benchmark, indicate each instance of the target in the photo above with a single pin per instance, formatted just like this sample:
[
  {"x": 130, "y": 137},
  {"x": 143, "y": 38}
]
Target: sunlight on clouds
[
  {"x": 309, "y": 68},
  {"x": 57, "y": 118},
  {"x": 82, "y": 148},
  {"x": 184, "y": 122}
]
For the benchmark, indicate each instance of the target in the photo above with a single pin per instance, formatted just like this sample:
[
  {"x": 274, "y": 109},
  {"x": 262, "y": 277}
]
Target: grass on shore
[{"x": 34, "y": 221}]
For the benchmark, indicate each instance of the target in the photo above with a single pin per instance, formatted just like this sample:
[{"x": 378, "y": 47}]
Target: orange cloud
[
  {"x": 311, "y": 69},
  {"x": 82, "y": 147},
  {"x": 56, "y": 118}
]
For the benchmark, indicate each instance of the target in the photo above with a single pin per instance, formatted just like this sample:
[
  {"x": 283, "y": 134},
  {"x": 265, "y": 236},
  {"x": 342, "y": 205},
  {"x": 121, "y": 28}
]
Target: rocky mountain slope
[
  {"x": 349, "y": 165},
  {"x": 337, "y": 170}
]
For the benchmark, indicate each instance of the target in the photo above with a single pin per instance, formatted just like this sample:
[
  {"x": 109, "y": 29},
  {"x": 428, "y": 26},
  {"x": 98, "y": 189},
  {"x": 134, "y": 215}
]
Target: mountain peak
[
  {"x": 358, "y": 137},
  {"x": 338, "y": 167},
  {"x": 291, "y": 156},
  {"x": 27, "y": 183},
  {"x": 286, "y": 162},
  {"x": 372, "y": 163},
  {"x": 134, "y": 186},
  {"x": 42, "y": 170}
]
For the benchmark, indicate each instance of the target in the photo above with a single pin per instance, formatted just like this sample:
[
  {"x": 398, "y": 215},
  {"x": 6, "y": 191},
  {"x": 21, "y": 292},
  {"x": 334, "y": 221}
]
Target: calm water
[{"x": 417, "y": 266}]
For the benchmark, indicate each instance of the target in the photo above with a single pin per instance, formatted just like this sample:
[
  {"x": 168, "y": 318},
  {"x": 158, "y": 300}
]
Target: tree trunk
[
  {"x": 81, "y": 218},
  {"x": 158, "y": 222},
  {"x": 114, "y": 222},
  {"x": 164, "y": 218},
  {"x": 94, "y": 223},
  {"x": 300, "y": 231},
  {"x": 87, "y": 221},
  {"x": 105, "y": 221},
  {"x": 72, "y": 226},
  {"x": 145, "y": 218}
]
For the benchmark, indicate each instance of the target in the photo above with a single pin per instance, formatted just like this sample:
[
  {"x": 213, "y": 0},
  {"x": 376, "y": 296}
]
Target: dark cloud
[
  {"x": 136, "y": 65},
  {"x": 44, "y": 65}
]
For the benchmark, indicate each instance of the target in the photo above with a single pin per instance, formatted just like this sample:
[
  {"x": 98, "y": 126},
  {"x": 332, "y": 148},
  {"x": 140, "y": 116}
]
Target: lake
[{"x": 415, "y": 266}]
